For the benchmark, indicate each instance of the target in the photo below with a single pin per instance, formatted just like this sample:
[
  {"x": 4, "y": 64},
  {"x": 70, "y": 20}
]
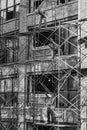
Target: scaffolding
[
  {"x": 64, "y": 112},
  {"x": 52, "y": 96}
]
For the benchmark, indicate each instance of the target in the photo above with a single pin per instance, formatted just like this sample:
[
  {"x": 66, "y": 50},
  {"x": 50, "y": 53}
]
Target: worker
[
  {"x": 54, "y": 43},
  {"x": 42, "y": 16},
  {"x": 54, "y": 46},
  {"x": 50, "y": 114}
]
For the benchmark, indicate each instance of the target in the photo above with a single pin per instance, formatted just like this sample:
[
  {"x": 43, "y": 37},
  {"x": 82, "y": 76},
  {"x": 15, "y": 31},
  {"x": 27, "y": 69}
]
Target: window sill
[{"x": 10, "y": 20}]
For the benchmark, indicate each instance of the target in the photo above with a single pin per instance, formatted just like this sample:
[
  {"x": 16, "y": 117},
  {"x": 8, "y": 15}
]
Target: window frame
[
  {"x": 14, "y": 48},
  {"x": 32, "y": 5},
  {"x": 39, "y": 42},
  {"x": 65, "y": 91},
  {"x": 9, "y": 94},
  {"x": 11, "y": 55},
  {"x": 7, "y": 10}
]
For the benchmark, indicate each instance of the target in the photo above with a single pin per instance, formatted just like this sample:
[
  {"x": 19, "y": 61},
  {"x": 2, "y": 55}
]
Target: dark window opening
[
  {"x": 57, "y": 2},
  {"x": 40, "y": 127},
  {"x": 43, "y": 83},
  {"x": 52, "y": 39},
  {"x": 44, "y": 127},
  {"x": 10, "y": 15},
  {"x": 37, "y": 3},
  {"x": 48, "y": 85},
  {"x": 62, "y": 1},
  {"x": 57, "y": 38},
  {"x": 29, "y": 6},
  {"x": 42, "y": 39}
]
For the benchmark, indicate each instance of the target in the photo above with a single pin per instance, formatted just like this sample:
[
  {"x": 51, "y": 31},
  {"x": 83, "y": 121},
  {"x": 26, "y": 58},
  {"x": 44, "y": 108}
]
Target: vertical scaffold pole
[{"x": 59, "y": 74}]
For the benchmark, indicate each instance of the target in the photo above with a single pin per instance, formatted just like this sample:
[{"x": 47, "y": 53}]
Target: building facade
[{"x": 43, "y": 65}]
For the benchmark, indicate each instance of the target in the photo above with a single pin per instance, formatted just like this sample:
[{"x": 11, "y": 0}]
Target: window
[
  {"x": 10, "y": 3},
  {"x": 60, "y": 2},
  {"x": 40, "y": 84},
  {"x": 10, "y": 13},
  {"x": 8, "y": 91},
  {"x": 9, "y": 50},
  {"x": 44, "y": 83},
  {"x": 47, "y": 84},
  {"x": 37, "y": 3},
  {"x": 52, "y": 39},
  {"x": 39, "y": 127},
  {"x": 67, "y": 40},
  {"x": 34, "y": 4},
  {"x": 42, "y": 39},
  {"x": 3, "y": 4},
  {"x": 13, "y": 44},
  {"x": 63, "y": 1},
  {"x": 9, "y": 9}
]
